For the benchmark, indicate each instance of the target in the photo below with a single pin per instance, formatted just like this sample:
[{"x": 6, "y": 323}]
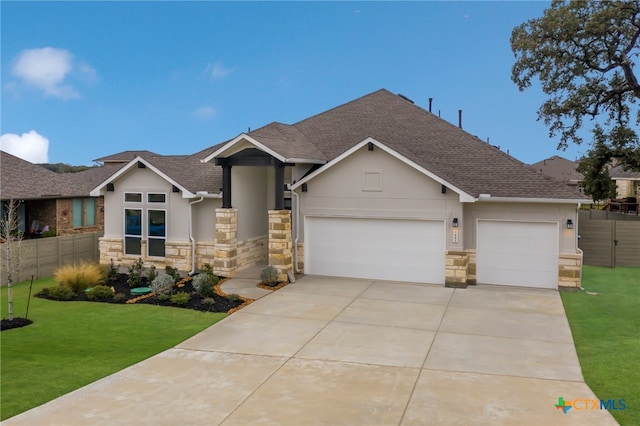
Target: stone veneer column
[
  {"x": 280, "y": 243},
  {"x": 569, "y": 270},
  {"x": 456, "y": 269},
  {"x": 225, "y": 261}
]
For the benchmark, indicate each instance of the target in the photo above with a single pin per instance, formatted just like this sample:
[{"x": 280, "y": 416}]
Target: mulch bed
[
  {"x": 14, "y": 323},
  {"x": 223, "y": 303}
]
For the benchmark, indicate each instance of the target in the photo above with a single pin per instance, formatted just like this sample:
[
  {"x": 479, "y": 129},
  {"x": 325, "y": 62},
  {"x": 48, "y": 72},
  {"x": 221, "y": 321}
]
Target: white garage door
[
  {"x": 517, "y": 253},
  {"x": 399, "y": 250}
]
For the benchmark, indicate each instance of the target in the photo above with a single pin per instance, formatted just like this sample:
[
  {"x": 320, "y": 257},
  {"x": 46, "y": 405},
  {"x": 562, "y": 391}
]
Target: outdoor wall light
[
  {"x": 455, "y": 222},
  {"x": 569, "y": 224}
]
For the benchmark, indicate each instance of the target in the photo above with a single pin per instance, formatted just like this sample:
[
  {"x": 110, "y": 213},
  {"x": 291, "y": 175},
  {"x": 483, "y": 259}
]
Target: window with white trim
[
  {"x": 133, "y": 232},
  {"x": 156, "y": 232}
]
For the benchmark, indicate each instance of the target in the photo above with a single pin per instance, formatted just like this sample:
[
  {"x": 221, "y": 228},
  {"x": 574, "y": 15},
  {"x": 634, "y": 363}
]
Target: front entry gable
[{"x": 371, "y": 144}]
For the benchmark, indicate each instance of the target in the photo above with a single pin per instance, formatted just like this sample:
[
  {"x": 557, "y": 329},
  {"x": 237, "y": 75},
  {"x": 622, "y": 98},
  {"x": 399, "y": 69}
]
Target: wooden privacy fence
[
  {"x": 609, "y": 243},
  {"x": 40, "y": 257}
]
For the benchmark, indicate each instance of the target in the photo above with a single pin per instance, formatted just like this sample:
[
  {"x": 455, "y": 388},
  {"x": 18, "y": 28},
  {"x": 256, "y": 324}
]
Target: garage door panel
[
  {"x": 517, "y": 253},
  {"x": 405, "y": 250}
]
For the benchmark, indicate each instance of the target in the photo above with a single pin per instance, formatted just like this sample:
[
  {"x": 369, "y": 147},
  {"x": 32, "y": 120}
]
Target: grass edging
[
  {"x": 71, "y": 344},
  {"x": 605, "y": 321}
]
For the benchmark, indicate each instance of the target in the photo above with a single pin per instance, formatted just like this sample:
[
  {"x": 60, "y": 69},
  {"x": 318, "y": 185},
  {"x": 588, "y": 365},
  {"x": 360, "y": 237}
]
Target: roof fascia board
[
  {"x": 97, "y": 190},
  {"x": 464, "y": 197},
  {"x": 533, "y": 200},
  {"x": 305, "y": 161},
  {"x": 243, "y": 137}
]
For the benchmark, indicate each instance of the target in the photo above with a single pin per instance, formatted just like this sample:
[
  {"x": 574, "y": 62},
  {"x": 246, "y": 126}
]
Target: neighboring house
[
  {"x": 377, "y": 188},
  {"x": 57, "y": 202},
  {"x": 564, "y": 170}
]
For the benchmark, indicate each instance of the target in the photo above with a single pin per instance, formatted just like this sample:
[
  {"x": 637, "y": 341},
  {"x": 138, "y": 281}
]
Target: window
[
  {"x": 133, "y": 197},
  {"x": 157, "y": 232},
  {"x": 133, "y": 231},
  {"x": 156, "y": 198},
  {"x": 83, "y": 212}
]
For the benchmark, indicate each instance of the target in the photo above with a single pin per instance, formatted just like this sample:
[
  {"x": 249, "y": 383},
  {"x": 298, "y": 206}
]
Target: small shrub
[
  {"x": 172, "y": 272},
  {"x": 209, "y": 301},
  {"x": 100, "y": 292},
  {"x": 162, "y": 286},
  {"x": 135, "y": 274},
  {"x": 112, "y": 271},
  {"x": 234, "y": 297},
  {"x": 79, "y": 277},
  {"x": 208, "y": 270},
  {"x": 50, "y": 233},
  {"x": 203, "y": 285},
  {"x": 60, "y": 293},
  {"x": 119, "y": 297},
  {"x": 269, "y": 276},
  {"x": 152, "y": 274},
  {"x": 181, "y": 298}
]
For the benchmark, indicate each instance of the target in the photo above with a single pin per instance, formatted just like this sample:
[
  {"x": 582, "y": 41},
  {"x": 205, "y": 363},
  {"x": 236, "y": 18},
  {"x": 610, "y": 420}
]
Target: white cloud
[
  {"x": 49, "y": 69},
  {"x": 30, "y": 146},
  {"x": 217, "y": 70},
  {"x": 204, "y": 112}
]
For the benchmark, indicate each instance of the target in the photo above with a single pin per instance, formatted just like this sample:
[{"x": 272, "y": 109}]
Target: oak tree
[{"x": 583, "y": 54}]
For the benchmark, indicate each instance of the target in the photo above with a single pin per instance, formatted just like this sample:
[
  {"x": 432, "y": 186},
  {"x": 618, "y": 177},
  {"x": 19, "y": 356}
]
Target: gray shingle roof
[
  {"x": 124, "y": 156},
  {"x": 435, "y": 144},
  {"x": 22, "y": 180},
  {"x": 559, "y": 168}
]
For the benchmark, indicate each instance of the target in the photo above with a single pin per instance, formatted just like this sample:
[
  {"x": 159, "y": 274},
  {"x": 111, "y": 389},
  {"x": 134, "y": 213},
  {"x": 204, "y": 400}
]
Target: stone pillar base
[
  {"x": 225, "y": 262},
  {"x": 280, "y": 243},
  {"x": 570, "y": 270},
  {"x": 456, "y": 263}
]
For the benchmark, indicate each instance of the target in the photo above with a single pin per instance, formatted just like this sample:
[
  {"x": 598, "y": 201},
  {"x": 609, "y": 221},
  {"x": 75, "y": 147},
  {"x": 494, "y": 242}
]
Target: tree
[
  {"x": 583, "y": 54},
  {"x": 11, "y": 239}
]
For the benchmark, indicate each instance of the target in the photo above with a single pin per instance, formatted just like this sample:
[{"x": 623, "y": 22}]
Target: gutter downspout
[
  {"x": 295, "y": 241},
  {"x": 193, "y": 240},
  {"x": 577, "y": 241}
]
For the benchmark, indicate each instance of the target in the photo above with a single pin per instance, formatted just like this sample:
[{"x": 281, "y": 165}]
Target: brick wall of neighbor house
[
  {"x": 569, "y": 270},
  {"x": 253, "y": 251},
  {"x": 44, "y": 211},
  {"x": 280, "y": 243},
  {"x": 64, "y": 212},
  {"x": 456, "y": 267}
]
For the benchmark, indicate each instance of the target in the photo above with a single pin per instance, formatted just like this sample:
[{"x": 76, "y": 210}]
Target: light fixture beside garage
[
  {"x": 454, "y": 223},
  {"x": 569, "y": 224}
]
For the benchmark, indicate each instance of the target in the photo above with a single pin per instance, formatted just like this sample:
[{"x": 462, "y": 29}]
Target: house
[
  {"x": 377, "y": 188},
  {"x": 564, "y": 170},
  {"x": 57, "y": 203}
]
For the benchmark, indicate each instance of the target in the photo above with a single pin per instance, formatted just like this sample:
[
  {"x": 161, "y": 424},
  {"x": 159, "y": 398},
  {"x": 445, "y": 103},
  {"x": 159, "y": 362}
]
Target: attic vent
[{"x": 405, "y": 98}]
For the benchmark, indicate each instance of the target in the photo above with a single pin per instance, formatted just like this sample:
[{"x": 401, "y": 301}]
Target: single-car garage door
[
  {"x": 385, "y": 249},
  {"x": 517, "y": 253}
]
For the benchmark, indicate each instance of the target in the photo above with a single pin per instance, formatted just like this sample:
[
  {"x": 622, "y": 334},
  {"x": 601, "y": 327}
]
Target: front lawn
[
  {"x": 71, "y": 344},
  {"x": 606, "y": 331}
]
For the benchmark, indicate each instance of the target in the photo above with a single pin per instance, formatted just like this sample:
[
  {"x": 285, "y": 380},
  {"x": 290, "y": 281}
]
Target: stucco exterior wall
[
  {"x": 377, "y": 185},
  {"x": 531, "y": 212},
  {"x": 249, "y": 195}
]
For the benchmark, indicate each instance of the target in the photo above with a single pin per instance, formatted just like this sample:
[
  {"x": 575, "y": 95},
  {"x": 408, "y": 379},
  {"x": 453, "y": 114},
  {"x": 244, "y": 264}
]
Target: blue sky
[{"x": 96, "y": 78}]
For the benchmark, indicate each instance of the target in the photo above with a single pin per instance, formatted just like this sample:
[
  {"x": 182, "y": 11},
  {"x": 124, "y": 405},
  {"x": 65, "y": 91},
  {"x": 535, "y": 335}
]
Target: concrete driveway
[{"x": 338, "y": 351}]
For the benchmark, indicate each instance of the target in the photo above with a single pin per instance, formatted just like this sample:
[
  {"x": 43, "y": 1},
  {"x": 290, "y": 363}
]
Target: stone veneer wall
[
  {"x": 280, "y": 243},
  {"x": 253, "y": 251},
  {"x": 301, "y": 257},
  {"x": 570, "y": 270},
  {"x": 471, "y": 267},
  {"x": 225, "y": 262},
  {"x": 456, "y": 265}
]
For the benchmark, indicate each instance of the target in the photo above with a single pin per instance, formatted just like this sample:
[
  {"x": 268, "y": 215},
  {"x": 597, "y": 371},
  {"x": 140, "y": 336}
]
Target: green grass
[
  {"x": 71, "y": 344},
  {"x": 606, "y": 331}
]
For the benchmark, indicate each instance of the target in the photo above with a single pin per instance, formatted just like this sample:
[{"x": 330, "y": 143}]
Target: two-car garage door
[
  {"x": 517, "y": 253},
  {"x": 385, "y": 249}
]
